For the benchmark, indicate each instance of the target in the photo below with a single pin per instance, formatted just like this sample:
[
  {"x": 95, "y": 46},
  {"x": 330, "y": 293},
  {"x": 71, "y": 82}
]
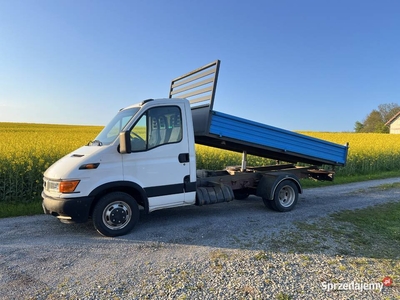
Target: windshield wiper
[{"x": 95, "y": 143}]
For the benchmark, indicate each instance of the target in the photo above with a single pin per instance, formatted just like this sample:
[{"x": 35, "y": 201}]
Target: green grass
[
  {"x": 15, "y": 209},
  {"x": 375, "y": 231},
  {"x": 283, "y": 296}
]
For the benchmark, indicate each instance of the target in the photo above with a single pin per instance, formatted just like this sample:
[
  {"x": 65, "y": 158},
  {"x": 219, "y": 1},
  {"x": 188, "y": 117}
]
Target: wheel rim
[
  {"x": 287, "y": 196},
  {"x": 117, "y": 215}
]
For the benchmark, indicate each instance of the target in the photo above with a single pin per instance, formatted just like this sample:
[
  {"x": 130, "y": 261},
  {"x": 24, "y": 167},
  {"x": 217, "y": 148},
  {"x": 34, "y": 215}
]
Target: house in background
[{"x": 394, "y": 124}]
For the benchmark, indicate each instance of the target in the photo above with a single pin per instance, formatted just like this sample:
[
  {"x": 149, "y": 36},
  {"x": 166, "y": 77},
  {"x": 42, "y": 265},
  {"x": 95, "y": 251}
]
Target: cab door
[{"x": 159, "y": 161}]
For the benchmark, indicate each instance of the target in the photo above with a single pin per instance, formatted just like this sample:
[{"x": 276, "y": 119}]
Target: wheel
[
  {"x": 285, "y": 196},
  {"x": 115, "y": 214}
]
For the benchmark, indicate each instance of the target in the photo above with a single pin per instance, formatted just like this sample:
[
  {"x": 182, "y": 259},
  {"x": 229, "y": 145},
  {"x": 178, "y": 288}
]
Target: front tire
[{"x": 115, "y": 214}]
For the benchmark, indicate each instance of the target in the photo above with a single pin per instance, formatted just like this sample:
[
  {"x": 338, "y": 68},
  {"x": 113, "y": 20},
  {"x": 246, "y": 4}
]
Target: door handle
[{"x": 183, "y": 157}]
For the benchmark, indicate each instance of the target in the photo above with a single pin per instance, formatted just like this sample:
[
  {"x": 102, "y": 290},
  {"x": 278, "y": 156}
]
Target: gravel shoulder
[{"x": 219, "y": 251}]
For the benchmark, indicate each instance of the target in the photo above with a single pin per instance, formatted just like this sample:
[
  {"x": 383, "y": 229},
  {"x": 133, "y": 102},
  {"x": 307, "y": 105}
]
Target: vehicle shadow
[{"x": 237, "y": 224}]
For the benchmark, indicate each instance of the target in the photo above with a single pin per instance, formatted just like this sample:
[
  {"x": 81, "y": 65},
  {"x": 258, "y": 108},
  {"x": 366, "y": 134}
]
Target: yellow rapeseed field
[
  {"x": 369, "y": 153},
  {"x": 27, "y": 150}
]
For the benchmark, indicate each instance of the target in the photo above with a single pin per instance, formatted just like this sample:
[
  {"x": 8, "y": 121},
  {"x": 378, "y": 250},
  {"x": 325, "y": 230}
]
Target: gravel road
[{"x": 218, "y": 251}]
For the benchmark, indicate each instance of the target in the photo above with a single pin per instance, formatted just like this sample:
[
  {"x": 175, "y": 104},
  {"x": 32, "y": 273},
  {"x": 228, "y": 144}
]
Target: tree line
[{"x": 375, "y": 121}]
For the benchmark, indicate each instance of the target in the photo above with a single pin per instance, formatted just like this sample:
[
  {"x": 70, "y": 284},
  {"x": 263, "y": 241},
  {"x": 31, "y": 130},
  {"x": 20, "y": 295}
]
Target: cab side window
[{"x": 157, "y": 127}]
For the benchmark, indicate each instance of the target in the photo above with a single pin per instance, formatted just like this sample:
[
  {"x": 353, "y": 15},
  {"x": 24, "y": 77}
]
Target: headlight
[{"x": 67, "y": 186}]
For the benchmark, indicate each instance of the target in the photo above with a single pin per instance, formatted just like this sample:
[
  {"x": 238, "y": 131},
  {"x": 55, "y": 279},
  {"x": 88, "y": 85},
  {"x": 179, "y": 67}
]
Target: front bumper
[{"x": 75, "y": 210}]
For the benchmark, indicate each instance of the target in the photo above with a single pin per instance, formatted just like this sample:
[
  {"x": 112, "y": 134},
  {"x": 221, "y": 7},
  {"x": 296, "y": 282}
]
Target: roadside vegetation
[{"x": 27, "y": 150}]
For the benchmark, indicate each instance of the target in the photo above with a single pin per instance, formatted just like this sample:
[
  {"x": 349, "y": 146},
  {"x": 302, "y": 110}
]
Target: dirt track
[{"x": 43, "y": 258}]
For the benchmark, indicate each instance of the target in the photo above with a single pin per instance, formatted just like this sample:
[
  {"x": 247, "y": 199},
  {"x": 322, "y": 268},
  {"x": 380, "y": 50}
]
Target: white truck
[{"x": 145, "y": 159}]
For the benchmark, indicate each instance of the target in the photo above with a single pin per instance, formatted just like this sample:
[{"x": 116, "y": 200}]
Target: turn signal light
[{"x": 68, "y": 186}]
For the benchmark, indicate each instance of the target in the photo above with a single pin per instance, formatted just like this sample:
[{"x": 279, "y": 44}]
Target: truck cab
[{"x": 145, "y": 156}]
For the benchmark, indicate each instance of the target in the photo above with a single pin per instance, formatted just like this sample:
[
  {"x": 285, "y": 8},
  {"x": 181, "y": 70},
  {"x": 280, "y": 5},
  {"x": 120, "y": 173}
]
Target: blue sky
[{"x": 299, "y": 65}]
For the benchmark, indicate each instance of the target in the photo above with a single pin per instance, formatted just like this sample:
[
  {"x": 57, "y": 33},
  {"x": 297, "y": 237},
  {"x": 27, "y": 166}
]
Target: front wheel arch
[{"x": 128, "y": 187}]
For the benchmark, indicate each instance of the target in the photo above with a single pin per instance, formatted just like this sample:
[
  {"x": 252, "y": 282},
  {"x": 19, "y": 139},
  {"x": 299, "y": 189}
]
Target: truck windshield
[{"x": 112, "y": 130}]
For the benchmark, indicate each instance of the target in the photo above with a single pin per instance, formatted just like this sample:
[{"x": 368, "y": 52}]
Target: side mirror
[{"x": 125, "y": 142}]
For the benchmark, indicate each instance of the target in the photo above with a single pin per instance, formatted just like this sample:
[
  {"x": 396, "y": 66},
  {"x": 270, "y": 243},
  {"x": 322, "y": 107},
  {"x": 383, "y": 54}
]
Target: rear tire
[
  {"x": 269, "y": 203},
  {"x": 285, "y": 196},
  {"x": 115, "y": 214}
]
